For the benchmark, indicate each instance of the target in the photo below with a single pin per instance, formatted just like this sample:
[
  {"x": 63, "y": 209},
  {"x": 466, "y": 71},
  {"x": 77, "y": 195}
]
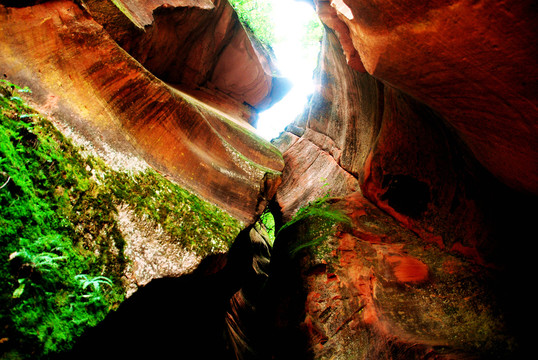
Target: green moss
[
  {"x": 56, "y": 223},
  {"x": 61, "y": 248},
  {"x": 256, "y": 16},
  {"x": 192, "y": 222}
]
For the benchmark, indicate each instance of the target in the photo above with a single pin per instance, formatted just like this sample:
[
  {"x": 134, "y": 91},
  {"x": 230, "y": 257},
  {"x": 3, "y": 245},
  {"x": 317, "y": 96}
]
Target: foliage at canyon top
[
  {"x": 259, "y": 17},
  {"x": 256, "y": 16}
]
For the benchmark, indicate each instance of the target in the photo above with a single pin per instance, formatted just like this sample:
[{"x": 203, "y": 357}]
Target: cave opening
[{"x": 297, "y": 42}]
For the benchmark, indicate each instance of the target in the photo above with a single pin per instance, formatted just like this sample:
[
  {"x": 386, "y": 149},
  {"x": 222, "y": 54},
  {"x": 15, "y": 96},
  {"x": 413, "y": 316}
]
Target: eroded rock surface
[
  {"x": 194, "y": 43},
  {"x": 152, "y": 252},
  {"x": 422, "y": 132},
  {"x": 426, "y": 266},
  {"x": 360, "y": 134},
  {"x": 376, "y": 290},
  {"x": 473, "y": 62},
  {"x": 80, "y": 76}
]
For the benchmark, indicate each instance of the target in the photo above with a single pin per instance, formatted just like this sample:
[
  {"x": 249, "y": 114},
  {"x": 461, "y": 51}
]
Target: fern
[
  {"x": 314, "y": 223},
  {"x": 95, "y": 281}
]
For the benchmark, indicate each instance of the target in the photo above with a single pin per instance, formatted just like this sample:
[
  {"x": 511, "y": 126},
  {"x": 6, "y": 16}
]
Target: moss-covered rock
[{"x": 62, "y": 255}]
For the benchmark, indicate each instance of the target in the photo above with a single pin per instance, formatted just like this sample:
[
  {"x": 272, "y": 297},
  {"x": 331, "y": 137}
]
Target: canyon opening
[
  {"x": 298, "y": 34},
  {"x": 267, "y": 179}
]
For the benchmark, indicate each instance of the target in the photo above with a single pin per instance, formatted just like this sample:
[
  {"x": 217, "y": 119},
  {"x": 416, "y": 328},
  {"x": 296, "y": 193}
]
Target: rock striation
[
  {"x": 194, "y": 43},
  {"x": 475, "y": 63},
  {"x": 82, "y": 77},
  {"x": 418, "y": 132},
  {"x": 359, "y": 134},
  {"x": 405, "y": 194}
]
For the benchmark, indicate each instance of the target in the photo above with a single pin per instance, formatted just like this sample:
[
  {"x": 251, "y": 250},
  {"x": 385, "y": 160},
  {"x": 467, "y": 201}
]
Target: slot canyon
[{"x": 404, "y": 196}]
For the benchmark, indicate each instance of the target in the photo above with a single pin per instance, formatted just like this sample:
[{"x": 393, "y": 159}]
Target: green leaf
[{"x": 18, "y": 291}]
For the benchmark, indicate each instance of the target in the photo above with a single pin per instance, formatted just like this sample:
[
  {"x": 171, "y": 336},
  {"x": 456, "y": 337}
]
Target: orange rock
[
  {"x": 398, "y": 295},
  {"x": 437, "y": 123},
  {"x": 408, "y": 269},
  {"x": 61, "y": 53},
  {"x": 474, "y": 63},
  {"x": 195, "y": 44}
]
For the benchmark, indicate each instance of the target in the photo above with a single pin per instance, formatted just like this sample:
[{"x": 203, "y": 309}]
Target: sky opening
[{"x": 296, "y": 46}]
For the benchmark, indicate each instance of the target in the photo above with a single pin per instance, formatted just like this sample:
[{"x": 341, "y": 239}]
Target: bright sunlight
[
  {"x": 294, "y": 31},
  {"x": 297, "y": 42}
]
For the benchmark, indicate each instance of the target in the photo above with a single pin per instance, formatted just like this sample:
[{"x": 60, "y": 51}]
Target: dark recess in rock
[{"x": 406, "y": 194}]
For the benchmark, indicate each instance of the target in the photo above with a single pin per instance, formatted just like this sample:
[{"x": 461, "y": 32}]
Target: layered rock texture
[
  {"x": 81, "y": 76},
  {"x": 194, "y": 43},
  {"x": 405, "y": 194},
  {"x": 424, "y": 128},
  {"x": 473, "y": 62},
  {"x": 143, "y": 85}
]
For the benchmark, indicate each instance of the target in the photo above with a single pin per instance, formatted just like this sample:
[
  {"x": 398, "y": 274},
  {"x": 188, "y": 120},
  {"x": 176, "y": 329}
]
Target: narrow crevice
[{"x": 281, "y": 306}]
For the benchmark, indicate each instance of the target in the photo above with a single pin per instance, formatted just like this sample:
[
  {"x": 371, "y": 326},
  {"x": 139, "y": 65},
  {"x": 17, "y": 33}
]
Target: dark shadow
[
  {"x": 173, "y": 318},
  {"x": 281, "y": 304},
  {"x": 406, "y": 194}
]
